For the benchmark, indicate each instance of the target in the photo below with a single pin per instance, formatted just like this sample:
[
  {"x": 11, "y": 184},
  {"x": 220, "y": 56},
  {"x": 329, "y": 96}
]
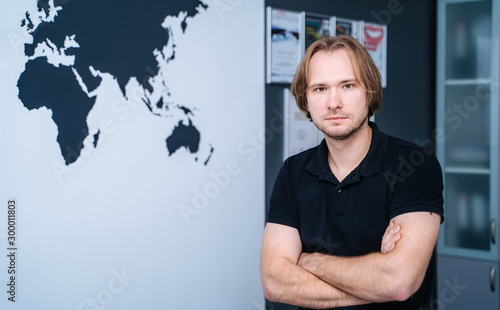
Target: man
[{"x": 353, "y": 222}]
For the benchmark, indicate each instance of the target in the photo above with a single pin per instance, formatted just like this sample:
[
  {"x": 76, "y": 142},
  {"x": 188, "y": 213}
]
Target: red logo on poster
[{"x": 373, "y": 37}]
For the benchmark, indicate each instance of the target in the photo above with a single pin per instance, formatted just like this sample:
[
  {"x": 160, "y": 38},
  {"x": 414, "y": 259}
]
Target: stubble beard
[{"x": 347, "y": 133}]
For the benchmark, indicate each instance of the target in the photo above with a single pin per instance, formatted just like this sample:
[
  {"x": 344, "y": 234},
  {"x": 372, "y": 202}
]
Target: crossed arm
[{"x": 326, "y": 281}]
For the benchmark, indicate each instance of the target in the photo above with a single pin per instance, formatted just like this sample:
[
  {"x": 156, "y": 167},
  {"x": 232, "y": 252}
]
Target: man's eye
[
  {"x": 320, "y": 89},
  {"x": 348, "y": 86}
]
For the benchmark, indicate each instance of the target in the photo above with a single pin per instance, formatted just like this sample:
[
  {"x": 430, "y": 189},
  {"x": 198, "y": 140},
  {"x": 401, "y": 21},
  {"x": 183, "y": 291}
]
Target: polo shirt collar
[{"x": 370, "y": 165}]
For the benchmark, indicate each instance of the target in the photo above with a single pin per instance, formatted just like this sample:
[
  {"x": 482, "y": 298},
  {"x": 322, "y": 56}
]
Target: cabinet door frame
[{"x": 494, "y": 184}]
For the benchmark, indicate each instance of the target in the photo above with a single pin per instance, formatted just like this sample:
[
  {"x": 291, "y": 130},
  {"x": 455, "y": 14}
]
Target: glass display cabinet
[{"x": 467, "y": 145}]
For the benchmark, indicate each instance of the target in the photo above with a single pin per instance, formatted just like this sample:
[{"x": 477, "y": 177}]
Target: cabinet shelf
[
  {"x": 466, "y": 82},
  {"x": 467, "y": 170}
]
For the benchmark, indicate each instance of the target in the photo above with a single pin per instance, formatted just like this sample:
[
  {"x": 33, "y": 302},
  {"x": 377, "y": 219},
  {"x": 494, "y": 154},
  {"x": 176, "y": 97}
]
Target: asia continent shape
[{"x": 121, "y": 38}]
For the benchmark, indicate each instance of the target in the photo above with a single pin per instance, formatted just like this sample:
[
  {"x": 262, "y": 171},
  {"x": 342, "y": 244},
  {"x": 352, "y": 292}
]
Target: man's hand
[
  {"x": 284, "y": 281},
  {"x": 394, "y": 273},
  {"x": 390, "y": 238}
]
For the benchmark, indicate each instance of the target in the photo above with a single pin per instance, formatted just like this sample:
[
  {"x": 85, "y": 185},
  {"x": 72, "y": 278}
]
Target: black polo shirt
[{"x": 349, "y": 218}]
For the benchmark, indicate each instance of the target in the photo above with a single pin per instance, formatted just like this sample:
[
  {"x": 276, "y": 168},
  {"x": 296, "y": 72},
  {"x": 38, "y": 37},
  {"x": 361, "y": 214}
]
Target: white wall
[{"x": 126, "y": 226}]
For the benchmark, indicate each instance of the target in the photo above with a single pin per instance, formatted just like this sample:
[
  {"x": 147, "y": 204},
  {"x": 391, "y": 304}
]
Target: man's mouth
[{"x": 336, "y": 118}]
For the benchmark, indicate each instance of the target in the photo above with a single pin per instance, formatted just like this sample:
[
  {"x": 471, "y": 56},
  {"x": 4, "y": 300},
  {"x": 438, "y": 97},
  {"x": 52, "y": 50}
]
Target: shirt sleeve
[
  {"x": 418, "y": 186},
  {"x": 279, "y": 210}
]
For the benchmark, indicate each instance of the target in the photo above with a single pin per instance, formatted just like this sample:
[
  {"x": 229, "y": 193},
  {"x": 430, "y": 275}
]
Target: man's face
[{"x": 335, "y": 98}]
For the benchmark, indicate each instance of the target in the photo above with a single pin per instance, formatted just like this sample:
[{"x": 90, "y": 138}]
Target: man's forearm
[
  {"x": 366, "y": 277},
  {"x": 291, "y": 284},
  {"x": 381, "y": 277}
]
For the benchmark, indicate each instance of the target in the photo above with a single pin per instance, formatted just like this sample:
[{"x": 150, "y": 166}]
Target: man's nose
[{"x": 334, "y": 99}]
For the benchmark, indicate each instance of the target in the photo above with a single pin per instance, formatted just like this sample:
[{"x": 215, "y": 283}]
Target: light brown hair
[{"x": 364, "y": 69}]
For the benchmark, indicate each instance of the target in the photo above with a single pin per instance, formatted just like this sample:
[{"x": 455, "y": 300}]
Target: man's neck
[{"x": 345, "y": 155}]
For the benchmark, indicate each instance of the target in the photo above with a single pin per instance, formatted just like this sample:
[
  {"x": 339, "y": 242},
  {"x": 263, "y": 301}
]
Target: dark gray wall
[
  {"x": 409, "y": 100},
  {"x": 408, "y": 108}
]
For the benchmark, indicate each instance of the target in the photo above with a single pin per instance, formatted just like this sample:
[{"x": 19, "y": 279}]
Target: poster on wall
[
  {"x": 316, "y": 26},
  {"x": 348, "y": 27},
  {"x": 375, "y": 42},
  {"x": 284, "y": 44},
  {"x": 123, "y": 178},
  {"x": 300, "y": 132}
]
